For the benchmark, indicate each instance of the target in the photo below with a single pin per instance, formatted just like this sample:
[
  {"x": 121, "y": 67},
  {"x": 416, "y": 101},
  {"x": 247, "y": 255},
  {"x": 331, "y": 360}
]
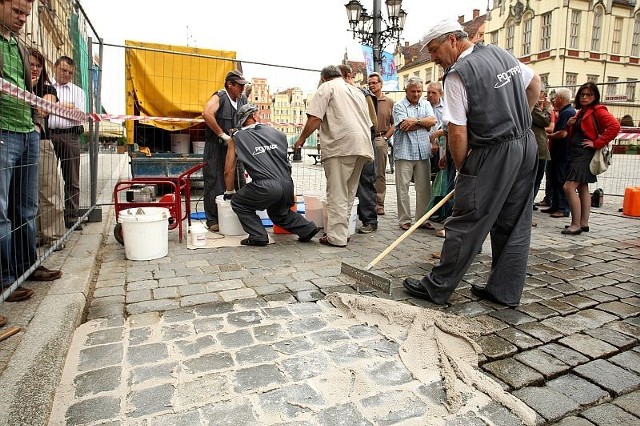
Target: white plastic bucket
[
  {"x": 198, "y": 235},
  {"x": 145, "y": 231},
  {"x": 353, "y": 216},
  {"x": 227, "y": 219},
  {"x": 198, "y": 147},
  {"x": 180, "y": 143},
  {"x": 314, "y": 208}
]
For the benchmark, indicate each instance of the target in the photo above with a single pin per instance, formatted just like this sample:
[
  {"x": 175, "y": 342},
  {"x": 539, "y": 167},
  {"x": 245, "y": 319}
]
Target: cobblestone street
[{"x": 244, "y": 336}]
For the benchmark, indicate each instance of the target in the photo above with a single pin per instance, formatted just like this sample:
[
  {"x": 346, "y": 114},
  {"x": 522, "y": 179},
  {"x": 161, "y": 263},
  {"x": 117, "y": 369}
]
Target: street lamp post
[{"x": 368, "y": 28}]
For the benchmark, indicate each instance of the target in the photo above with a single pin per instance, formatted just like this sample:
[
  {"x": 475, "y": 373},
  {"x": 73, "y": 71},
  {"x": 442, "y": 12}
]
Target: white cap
[{"x": 441, "y": 28}]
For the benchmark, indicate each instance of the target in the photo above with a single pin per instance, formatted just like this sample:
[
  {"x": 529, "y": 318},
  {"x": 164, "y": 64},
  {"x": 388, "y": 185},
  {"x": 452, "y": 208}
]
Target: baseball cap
[
  {"x": 235, "y": 77},
  {"x": 243, "y": 113}
]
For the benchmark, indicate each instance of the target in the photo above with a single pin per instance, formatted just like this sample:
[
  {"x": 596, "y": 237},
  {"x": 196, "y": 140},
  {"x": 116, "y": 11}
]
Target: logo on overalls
[
  {"x": 504, "y": 78},
  {"x": 263, "y": 149}
]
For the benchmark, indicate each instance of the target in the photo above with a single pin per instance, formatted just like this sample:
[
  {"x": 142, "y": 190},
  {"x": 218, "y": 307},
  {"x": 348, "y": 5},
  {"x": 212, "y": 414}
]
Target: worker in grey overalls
[
  {"x": 263, "y": 151},
  {"x": 489, "y": 96}
]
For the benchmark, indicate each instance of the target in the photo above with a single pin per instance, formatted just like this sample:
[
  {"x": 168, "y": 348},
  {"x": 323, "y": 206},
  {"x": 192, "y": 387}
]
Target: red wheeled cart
[{"x": 178, "y": 200}]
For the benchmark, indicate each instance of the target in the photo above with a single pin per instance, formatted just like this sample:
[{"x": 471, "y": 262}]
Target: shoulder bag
[{"x": 602, "y": 157}]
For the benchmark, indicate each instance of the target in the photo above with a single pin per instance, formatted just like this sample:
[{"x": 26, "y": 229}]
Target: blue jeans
[{"x": 18, "y": 202}]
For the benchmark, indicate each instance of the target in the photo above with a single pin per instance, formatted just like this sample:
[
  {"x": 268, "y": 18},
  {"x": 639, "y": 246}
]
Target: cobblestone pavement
[{"x": 199, "y": 336}]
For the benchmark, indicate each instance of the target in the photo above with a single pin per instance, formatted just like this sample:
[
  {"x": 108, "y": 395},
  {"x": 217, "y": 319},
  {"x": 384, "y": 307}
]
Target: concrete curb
[{"x": 29, "y": 382}]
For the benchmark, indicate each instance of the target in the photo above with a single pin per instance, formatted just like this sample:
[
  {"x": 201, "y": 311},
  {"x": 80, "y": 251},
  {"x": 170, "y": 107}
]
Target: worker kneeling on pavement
[{"x": 263, "y": 151}]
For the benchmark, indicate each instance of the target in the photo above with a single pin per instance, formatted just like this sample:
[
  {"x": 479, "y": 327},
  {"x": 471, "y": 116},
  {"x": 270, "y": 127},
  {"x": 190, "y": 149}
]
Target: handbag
[{"x": 602, "y": 157}]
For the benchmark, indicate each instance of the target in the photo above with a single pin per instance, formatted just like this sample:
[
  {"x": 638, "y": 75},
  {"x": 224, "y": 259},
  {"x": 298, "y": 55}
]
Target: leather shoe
[
  {"x": 20, "y": 294},
  {"x": 380, "y": 211},
  {"x": 405, "y": 226},
  {"x": 482, "y": 293},
  {"x": 427, "y": 225},
  {"x": 568, "y": 231},
  {"x": 44, "y": 274},
  {"x": 549, "y": 210},
  {"x": 308, "y": 238},
  {"x": 584, "y": 228},
  {"x": 325, "y": 241},
  {"x": 415, "y": 288},
  {"x": 250, "y": 242},
  {"x": 558, "y": 214}
]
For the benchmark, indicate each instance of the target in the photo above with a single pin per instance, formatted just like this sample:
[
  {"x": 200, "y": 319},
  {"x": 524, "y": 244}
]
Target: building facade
[{"x": 261, "y": 97}]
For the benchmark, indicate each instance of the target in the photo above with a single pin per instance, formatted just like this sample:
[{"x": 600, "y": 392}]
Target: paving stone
[
  {"x": 578, "y": 301},
  {"x": 537, "y": 311},
  {"x": 488, "y": 324},
  {"x": 587, "y": 345},
  {"x": 244, "y": 319},
  {"x": 93, "y": 410},
  {"x": 347, "y": 352},
  {"x": 201, "y": 390},
  {"x": 609, "y": 414},
  {"x": 389, "y": 373},
  {"x": 619, "y": 340},
  {"x": 629, "y": 360},
  {"x": 566, "y": 325},
  {"x": 241, "y": 293},
  {"x": 187, "y": 418},
  {"x": 499, "y": 415},
  {"x": 564, "y": 354},
  {"x": 156, "y": 372},
  {"x": 267, "y": 333},
  {"x": 290, "y": 401},
  {"x": 579, "y": 390},
  {"x": 178, "y": 315},
  {"x": 540, "y": 331},
  {"x": 177, "y": 331},
  {"x": 599, "y": 296},
  {"x": 629, "y": 402},
  {"x": 620, "y": 309},
  {"x": 237, "y": 412},
  {"x": 207, "y": 324},
  {"x": 549, "y": 403},
  {"x": 342, "y": 415},
  {"x": 146, "y": 354},
  {"x": 100, "y": 356},
  {"x": 293, "y": 346},
  {"x": 256, "y": 354},
  {"x": 101, "y": 337},
  {"x": 573, "y": 421},
  {"x": 512, "y": 316},
  {"x": 495, "y": 347},
  {"x": 188, "y": 348},
  {"x": 96, "y": 381},
  {"x": 329, "y": 336},
  {"x": 360, "y": 331},
  {"x": 609, "y": 376},
  {"x": 560, "y": 307},
  {"x": 213, "y": 309},
  {"x": 521, "y": 340},
  {"x": 405, "y": 405},
  {"x": 305, "y": 325},
  {"x": 253, "y": 379},
  {"x": 237, "y": 339},
  {"x": 620, "y": 293},
  {"x": 152, "y": 306},
  {"x": 466, "y": 419},
  {"x": 149, "y": 401},
  {"x": 513, "y": 373},
  {"x": 383, "y": 346},
  {"x": 306, "y": 366},
  {"x": 209, "y": 362},
  {"x": 542, "y": 362}
]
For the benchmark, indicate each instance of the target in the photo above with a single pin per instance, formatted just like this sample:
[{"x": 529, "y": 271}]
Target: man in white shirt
[{"x": 65, "y": 135}]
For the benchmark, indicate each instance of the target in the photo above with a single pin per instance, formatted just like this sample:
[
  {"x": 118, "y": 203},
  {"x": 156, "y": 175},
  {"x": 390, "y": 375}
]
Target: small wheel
[{"x": 117, "y": 233}]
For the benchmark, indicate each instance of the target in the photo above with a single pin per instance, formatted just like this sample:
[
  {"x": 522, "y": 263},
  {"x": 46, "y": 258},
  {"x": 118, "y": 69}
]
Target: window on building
[
  {"x": 429, "y": 74},
  {"x": 545, "y": 41},
  {"x": 612, "y": 88},
  {"x": 416, "y": 74},
  {"x": 544, "y": 78},
  {"x": 526, "y": 34},
  {"x": 440, "y": 73},
  {"x": 631, "y": 89},
  {"x": 617, "y": 34},
  {"x": 592, "y": 78},
  {"x": 571, "y": 79},
  {"x": 597, "y": 28},
  {"x": 574, "y": 32},
  {"x": 635, "y": 39},
  {"x": 494, "y": 38},
  {"x": 510, "y": 30}
]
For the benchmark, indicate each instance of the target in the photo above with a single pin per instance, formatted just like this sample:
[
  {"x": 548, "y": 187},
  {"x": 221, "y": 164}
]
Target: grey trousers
[
  {"x": 67, "y": 147},
  {"x": 494, "y": 192},
  {"x": 277, "y": 198},
  {"x": 213, "y": 176}
]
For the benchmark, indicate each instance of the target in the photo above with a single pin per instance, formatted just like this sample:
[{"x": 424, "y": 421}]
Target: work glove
[
  {"x": 228, "y": 195},
  {"x": 225, "y": 138}
]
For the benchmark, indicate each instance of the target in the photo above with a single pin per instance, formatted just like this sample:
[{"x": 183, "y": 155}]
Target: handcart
[{"x": 180, "y": 191}]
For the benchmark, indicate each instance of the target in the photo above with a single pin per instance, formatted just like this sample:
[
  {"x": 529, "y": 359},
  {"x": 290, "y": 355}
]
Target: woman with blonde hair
[{"x": 592, "y": 128}]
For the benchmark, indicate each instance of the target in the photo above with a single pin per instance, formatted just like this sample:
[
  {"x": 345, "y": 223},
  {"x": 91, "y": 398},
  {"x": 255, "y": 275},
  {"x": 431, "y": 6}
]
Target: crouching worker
[{"x": 263, "y": 151}]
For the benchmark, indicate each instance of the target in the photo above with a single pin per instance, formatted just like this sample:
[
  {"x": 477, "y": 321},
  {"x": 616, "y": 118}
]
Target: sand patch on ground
[{"x": 434, "y": 346}]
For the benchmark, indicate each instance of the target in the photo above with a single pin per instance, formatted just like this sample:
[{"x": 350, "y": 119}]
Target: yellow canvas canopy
[
  {"x": 108, "y": 129},
  {"x": 172, "y": 81}
]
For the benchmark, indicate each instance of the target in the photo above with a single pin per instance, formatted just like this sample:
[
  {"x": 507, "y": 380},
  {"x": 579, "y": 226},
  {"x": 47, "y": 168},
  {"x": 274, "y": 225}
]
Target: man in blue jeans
[{"x": 19, "y": 149}]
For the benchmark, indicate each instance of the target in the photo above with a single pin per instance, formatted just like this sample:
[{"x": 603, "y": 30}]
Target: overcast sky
[{"x": 301, "y": 33}]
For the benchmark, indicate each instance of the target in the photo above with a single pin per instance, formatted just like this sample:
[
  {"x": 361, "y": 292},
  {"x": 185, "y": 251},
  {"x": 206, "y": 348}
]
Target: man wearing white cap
[{"x": 489, "y": 96}]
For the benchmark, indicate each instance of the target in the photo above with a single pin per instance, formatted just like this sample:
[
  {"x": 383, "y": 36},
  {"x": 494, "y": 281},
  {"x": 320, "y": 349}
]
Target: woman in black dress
[{"x": 593, "y": 127}]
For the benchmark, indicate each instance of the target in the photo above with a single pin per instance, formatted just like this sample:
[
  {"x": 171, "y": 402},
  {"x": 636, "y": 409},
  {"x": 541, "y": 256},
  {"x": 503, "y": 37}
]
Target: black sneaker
[
  {"x": 367, "y": 229},
  {"x": 250, "y": 242},
  {"x": 308, "y": 238}
]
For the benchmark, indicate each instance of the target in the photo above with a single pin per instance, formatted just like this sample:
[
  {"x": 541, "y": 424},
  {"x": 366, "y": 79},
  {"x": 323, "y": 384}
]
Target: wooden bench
[{"x": 316, "y": 158}]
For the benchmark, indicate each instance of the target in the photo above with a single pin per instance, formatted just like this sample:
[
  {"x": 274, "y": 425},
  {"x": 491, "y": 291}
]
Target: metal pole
[{"x": 377, "y": 47}]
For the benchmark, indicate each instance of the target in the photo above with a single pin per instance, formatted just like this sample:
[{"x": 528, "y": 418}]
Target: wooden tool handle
[
  {"x": 5, "y": 334},
  {"x": 410, "y": 230}
]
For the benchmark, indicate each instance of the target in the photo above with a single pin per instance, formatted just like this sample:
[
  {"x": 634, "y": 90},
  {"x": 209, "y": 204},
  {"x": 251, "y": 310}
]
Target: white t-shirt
[{"x": 457, "y": 105}]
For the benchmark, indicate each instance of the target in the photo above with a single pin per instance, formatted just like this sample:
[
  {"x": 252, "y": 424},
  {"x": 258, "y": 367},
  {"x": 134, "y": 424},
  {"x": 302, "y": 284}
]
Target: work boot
[{"x": 367, "y": 229}]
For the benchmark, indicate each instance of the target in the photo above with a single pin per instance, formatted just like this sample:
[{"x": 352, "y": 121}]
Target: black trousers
[
  {"x": 277, "y": 198},
  {"x": 366, "y": 194}
]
